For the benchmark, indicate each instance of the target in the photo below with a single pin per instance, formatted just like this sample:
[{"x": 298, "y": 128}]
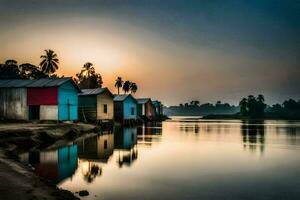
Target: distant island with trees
[
  {"x": 250, "y": 107},
  {"x": 194, "y": 108}
]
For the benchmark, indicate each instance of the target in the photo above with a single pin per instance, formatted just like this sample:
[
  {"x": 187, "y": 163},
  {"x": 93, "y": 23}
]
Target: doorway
[{"x": 34, "y": 112}]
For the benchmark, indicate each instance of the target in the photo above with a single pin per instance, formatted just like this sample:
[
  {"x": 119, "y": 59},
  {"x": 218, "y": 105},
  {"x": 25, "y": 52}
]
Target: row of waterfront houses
[{"x": 60, "y": 99}]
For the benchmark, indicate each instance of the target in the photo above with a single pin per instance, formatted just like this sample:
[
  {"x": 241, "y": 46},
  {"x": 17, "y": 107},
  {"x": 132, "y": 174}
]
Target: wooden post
[
  {"x": 84, "y": 118},
  {"x": 68, "y": 103}
]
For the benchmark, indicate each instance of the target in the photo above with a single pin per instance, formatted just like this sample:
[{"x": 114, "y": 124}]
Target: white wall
[{"x": 48, "y": 112}]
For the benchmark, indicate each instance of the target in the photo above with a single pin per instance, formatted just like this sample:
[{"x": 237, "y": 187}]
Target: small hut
[
  {"x": 96, "y": 104},
  {"x": 41, "y": 99},
  {"x": 125, "y": 108},
  {"x": 144, "y": 107}
]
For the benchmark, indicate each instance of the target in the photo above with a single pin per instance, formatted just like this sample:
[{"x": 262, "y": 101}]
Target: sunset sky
[{"x": 175, "y": 50}]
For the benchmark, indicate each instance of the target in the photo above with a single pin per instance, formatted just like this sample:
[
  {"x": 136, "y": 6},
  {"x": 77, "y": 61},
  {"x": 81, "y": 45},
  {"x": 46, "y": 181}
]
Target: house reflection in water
[
  {"x": 125, "y": 145},
  {"x": 55, "y": 165},
  {"x": 149, "y": 133},
  {"x": 98, "y": 147},
  {"x": 253, "y": 134},
  {"x": 93, "y": 151},
  {"x": 192, "y": 128}
]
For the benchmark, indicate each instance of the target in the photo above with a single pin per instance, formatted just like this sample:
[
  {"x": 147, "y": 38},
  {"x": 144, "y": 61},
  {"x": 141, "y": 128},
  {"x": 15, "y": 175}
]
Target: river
[{"x": 182, "y": 158}]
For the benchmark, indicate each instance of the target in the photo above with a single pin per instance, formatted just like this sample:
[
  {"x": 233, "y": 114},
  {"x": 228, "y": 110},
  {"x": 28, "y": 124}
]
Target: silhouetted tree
[
  {"x": 9, "y": 70},
  {"x": 88, "y": 69},
  {"x": 276, "y": 108},
  {"x": 253, "y": 107},
  {"x": 290, "y": 104},
  {"x": 260, "y": 105},
  {"x": 194, "y": 103},
  {"x": 49, "y": 63},
  {"x": 126, "y": 86},
  {"x": 87, "y": 78},
  {"x": 119, "y": 84},
  {"x": 29, "y": 71},
  {"x": 133, "y": 87}
]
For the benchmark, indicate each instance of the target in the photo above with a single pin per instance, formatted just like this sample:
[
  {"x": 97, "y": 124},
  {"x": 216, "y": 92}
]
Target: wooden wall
[
  {"x": 13, "y": 103},
  {"x": 129, "y": 103},
  {"x": 103, "y": 99},
  {"x": 118, "y": 110},
  {"x": 87, "y": 107},
  {"x": 67, "y": 102}
]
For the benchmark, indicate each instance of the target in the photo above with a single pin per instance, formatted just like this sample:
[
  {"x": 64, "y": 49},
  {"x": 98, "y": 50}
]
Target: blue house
[{"x": 125, "y": 108}]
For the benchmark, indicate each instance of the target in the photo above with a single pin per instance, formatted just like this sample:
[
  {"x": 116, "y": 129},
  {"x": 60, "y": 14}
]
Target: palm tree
[
  {"x": 119, "y": 84},
  {"x": 50, "y": 62},
  {"x": 126, "y": 86},
  {"x": 133, "y": 87}
]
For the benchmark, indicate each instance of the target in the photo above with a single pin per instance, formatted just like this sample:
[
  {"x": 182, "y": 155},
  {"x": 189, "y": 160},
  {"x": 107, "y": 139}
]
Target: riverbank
[{"x": 19, "y": 181}]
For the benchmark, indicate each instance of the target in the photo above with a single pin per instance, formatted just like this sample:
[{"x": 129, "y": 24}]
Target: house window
[
  {"x": 105, "y": 108},
  {"x": 105, "y": 144},
  {"x": 132, "y": 110}
]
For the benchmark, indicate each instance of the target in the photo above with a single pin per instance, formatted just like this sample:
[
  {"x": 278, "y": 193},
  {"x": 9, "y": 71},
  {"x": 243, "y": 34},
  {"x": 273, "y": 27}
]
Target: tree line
[
  {"x": 48, "y": 65},
  {"x": 250, "y": 107},
  {"x": 196, "y": 104},
  {"x": 87, "y": 78},
  {"x": 255, "y": 107},
  {"x": 195, "y": 108}
]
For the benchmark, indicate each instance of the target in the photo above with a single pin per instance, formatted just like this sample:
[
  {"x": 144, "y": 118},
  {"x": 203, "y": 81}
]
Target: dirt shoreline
[{"x": 19, "y": 181}]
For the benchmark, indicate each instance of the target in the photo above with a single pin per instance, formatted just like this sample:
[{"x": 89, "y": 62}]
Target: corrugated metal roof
[
  {"x": 96, "y": 91},
  {"x": 51, "y": 82},
  {"x": 143, "y": 100},
  {"x": 123, "y": 97},
  {"x": 120, "y": 97},
  {"x": 156, "y": 103},
  {"x": 45, "y": 82}
]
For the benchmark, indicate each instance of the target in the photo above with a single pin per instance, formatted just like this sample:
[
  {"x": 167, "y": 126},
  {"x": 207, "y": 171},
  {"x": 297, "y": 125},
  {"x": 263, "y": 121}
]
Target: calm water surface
[{"x": 181, "y": 159}]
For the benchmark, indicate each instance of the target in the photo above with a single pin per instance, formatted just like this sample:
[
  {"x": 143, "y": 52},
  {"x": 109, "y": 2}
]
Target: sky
[{"x": 175, "y": 50}]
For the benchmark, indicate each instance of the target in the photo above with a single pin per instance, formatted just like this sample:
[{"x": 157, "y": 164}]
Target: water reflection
[
  {"x": 201, "y": 158},
  {"x": 93, "y": 152},
  {"x": 253, "y": 135},
  {"x": 98, "y": 147},
  {"x": 55, "y": 165},
  {"x": 149, "y": 133},
  {"x": 126, "y": 145},
  {"x": 90, "y": 170},
  {"x": 189, "y": 128}
]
